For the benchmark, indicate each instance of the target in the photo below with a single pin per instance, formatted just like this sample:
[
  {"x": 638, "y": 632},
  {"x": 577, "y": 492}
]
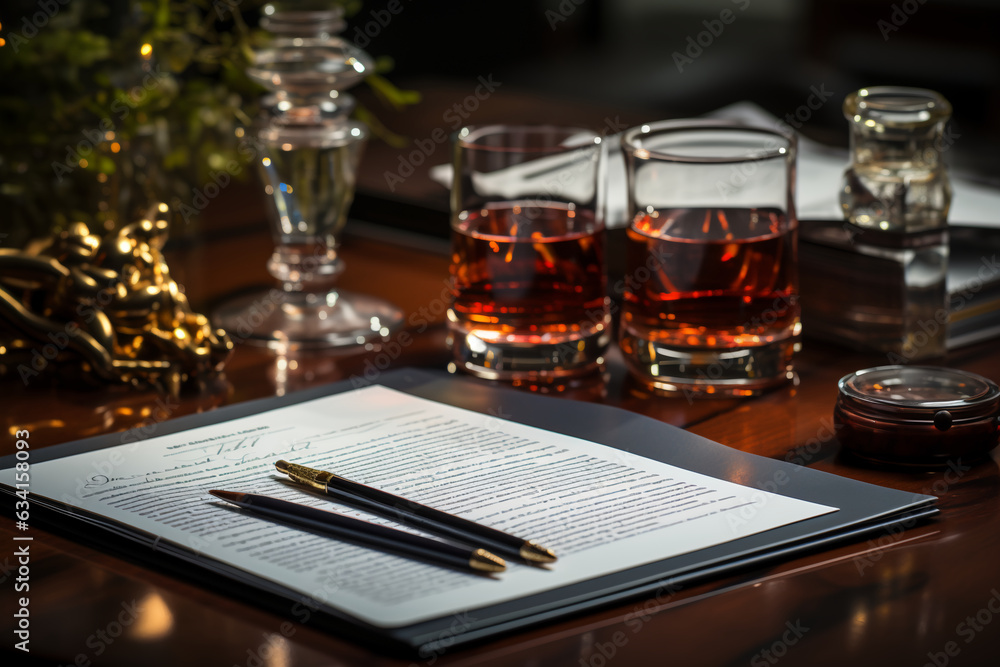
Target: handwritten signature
[{"x": 239, "y": 453}]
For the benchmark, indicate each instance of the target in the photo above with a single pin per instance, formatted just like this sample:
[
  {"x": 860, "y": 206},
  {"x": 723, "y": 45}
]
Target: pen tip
[
  {"x": 282, "y": 466},
  {"x": 230, "y": 496},
  {"x": 484, "y": 561},
  {"x": 536, "y": 553}
]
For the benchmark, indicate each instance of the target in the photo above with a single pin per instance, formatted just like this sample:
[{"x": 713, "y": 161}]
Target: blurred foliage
[{"x": 108, "y": 106}]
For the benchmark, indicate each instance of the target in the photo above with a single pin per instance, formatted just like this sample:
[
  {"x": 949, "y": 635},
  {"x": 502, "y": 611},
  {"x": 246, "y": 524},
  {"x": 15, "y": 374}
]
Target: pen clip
[
  {"x": 304, "y": 475},
  {"x": 307, "y": 482}
]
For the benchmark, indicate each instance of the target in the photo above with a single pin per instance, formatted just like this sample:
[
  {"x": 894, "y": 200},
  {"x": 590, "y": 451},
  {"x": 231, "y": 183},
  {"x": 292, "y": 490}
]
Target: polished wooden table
[{"x": 929, "y": 595}]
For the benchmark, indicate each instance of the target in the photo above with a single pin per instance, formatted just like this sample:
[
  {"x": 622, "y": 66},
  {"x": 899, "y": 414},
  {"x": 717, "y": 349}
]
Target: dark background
[
  {"x": 619, "y": 54},
  {"x": 611, "y": 64}
]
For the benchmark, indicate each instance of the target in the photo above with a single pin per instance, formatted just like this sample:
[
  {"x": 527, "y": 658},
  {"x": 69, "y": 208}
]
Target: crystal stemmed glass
[{"x": 308, "y": 149}]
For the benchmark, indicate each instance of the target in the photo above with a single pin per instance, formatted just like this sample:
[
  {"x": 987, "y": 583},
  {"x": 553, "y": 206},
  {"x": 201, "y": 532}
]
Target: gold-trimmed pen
[
  {"x": 416, "y": 515},
  {"x": 365, "y": 533}
]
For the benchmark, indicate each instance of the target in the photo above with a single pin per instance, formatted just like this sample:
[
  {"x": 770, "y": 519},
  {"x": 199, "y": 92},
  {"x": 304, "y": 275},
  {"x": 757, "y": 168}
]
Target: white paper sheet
[{"x": 602, "y": 510}]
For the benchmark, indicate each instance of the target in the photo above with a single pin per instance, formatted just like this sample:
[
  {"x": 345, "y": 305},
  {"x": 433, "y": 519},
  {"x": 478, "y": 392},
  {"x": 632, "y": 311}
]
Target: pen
[
  {"x": 416, "y": 515},
  {"x": 364, "y": 532}
]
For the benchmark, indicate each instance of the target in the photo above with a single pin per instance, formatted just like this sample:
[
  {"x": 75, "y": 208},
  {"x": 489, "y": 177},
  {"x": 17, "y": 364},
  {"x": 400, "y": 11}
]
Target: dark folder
[{"x": 863, "y": 509}]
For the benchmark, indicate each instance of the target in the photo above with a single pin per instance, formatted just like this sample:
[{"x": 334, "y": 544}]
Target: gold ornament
[{"x": 106, "y": 306}]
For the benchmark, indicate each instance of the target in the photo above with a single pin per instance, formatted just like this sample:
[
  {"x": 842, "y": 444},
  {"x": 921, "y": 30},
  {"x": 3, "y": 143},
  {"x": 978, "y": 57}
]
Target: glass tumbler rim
[
  {"x": 902, "y": 104},
  {"x": 630, "y": 137},
  {"x": 468, "y": 136}
]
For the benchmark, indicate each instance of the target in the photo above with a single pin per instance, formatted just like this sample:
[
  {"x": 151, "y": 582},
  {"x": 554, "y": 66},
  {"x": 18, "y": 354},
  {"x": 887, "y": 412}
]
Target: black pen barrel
[
  {"x": 418, "y": 516},
  {"x": 361, "y": 532}
]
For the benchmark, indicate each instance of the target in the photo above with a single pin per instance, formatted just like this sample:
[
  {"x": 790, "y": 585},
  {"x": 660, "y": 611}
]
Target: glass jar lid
[
  {"x": 892, "y": 106},
  {"x": 920, "y": 391}
]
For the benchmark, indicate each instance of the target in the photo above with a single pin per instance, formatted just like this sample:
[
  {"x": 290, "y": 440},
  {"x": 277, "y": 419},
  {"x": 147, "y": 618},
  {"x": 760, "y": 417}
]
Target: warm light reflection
[
  {"x": 55, "y": 423},
  {"x": 281, "y": 374},
  {"x": 146, "y": 50},
  {"x": 859, "y": 626},
  {"x": 154, "y": 621},
  {"x": 279, "y": 653}
]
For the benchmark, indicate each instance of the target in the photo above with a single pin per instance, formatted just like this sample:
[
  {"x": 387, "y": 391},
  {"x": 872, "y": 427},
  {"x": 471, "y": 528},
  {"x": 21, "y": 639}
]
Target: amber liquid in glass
[
  {"x": 711, "y": 297},
  {"x": 529, "y": 287}
]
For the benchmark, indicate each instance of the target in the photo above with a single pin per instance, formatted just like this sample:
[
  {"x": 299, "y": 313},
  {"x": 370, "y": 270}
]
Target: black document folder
[{"x": 862, "y": 509}]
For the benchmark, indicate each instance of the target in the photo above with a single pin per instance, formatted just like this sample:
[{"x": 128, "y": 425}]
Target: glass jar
[
  {"x": 897, "y": 181},
  {"x": 917, "y": 415},
  {"x": 895, "y": 196}
]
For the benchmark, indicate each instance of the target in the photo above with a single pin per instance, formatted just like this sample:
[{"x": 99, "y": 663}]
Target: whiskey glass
[
  {"x": 711, "y": 284},
  {"x": 529, "y": 298}
]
